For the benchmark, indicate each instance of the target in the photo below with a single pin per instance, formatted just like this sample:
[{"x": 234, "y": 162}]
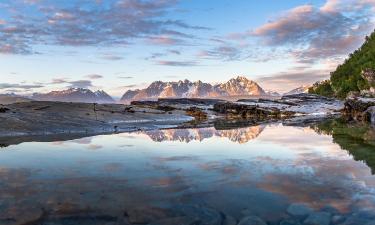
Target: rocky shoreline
[
  {"x": 360, "y": 109},
  {"x": 39, "y": 118}
]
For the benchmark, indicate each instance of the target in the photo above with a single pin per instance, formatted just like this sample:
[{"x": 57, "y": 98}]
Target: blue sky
[{"x": 118, "y": 45}]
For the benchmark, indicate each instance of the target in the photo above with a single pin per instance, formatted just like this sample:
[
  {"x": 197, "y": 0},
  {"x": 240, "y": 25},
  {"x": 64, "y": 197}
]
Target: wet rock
[
  {"x": 318, "y": 218},
  {"x": 236, "y": 110},
  {"x": 197, "y": 113},
  {"x": 4, "y": 109},
  {"x": 337, "y": 219},
  {"x": 299, "y": 210},
  {"x": 355, "y": 220},
  {"x": 182, "y": 220},
  {"x": 252, "y": 220},
  {"x": 147, "y": 215},
  {"x": 21, "y": 216},
  {"x": 370, "y": 114},
  {"x": 204, "y": 216},
  {"x": 228, "y": 220},
  {"x": 290, "y": 222}
]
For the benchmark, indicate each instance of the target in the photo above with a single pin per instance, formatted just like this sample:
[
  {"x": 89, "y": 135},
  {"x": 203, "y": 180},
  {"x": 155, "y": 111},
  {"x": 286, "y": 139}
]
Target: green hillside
[{"x": 347, "y": 76}]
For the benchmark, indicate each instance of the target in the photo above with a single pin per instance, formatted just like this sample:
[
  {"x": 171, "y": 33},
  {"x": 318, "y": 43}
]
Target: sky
[{"x": 117, "y": 45}]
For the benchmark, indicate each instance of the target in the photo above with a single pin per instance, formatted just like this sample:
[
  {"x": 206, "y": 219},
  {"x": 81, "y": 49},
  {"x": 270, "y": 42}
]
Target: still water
[{"x": 193, "y": 176}]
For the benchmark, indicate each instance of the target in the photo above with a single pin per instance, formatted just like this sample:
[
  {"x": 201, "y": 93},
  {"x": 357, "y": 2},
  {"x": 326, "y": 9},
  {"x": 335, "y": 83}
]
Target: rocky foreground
[
  {"x": 360, "y": 109},
  {"x": 51, "y": 118}
]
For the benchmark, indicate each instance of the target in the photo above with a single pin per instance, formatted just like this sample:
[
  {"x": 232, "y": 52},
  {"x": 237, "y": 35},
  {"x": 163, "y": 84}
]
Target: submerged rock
[
  {"x": 299, "y": 210},
  {"x": 252, "y": 220},
  {"x": 318, "y": 218}
]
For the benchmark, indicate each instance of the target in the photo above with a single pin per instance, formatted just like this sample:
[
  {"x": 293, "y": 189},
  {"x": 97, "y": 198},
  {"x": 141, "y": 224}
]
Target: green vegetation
[
  {"x": 322, "y": 88},
  {"x": 347, "y": 76}
]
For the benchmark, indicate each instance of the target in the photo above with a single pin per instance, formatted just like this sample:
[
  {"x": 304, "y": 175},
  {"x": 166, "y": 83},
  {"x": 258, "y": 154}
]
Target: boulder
[
  {"x": 318, "y": 218},
  {"x": 356, "y": 109},
  {"x": 299, "y": 210},
  {"x": 252, "y": 220}
]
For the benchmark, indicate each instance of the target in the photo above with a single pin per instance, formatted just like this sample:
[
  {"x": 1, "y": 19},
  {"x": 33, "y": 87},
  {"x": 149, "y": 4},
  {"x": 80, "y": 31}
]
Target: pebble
[
  {"x": 299, "y": 210},
  {"x": 252, "y": 220},
  {"x": 318, "y": 218}
]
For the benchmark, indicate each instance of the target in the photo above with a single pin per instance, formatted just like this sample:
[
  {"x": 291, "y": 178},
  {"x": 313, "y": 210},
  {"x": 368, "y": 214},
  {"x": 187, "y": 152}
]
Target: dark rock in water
[
  {"x": 197, "y": 113},
  {"x": 252, "y": 220},
  {"x": 201, "y": 214},
  {"x": 299, "y": 210},
  {"x": 290, "y": 222},
  {"x": 21, "y": 216},
  {"x": 182, "y": 220},
  {"x": 146, "y": 215},
  {"x": 235, "y": 110},
  {"x": 228, "y": 220},
  {"x": 3, "y": 110},
  {"x": 318, "y": 218},
  {"x": 189, "y": 101}
]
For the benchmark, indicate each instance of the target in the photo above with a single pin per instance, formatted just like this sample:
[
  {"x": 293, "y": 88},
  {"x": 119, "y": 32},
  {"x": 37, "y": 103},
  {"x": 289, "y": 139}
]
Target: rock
[
  {"x": 21, "y": 216},
  {"x": 299, "y": 210},
  {"x": 369, "y": 75},
  {"x": 290, "y": 222},
  {"x": 228, "y": 220},
  {"x": 318, "y": 218},
  {"x": 370, "y": 114},
  {"x": 336, "y": 219},
  {"x": 3, "y": 109},
  {"x": 252, "y": 220},
  {"x": 356, "y": 109},
  {"x": 183, "y": 220},
  {"x": 237, "y": 110},
  {"x": 197, "y": 113},
  {"x": 147, "y": 215},
  {"x": 204, "y": 215},
  {"x": 355, "y": 220}
]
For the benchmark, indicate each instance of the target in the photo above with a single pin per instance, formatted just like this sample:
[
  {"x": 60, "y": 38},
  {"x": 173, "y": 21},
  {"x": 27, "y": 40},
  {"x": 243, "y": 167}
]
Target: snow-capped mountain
[
  {"x": 299, "y": 90},
  {"x": 186, "y": 89},
  {"x": 12, "y": 98},
  {"x": 272, "y": 93},
  {"x": 74, "y": 95}
]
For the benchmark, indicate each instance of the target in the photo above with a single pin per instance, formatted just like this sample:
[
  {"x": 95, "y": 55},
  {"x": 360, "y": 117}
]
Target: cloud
[
  {"x": 226, "y": 53},
  {"x": 286, "y": 81},
  {"x": 19, "y": 86},
  {"x": 111, "y": 57},
  {"x": 312, "y": 33},
  {"x": 59, "y": 81},
  {"x": 87, "y": 23},
  {"x": 94, "y": 76},
  {"x": 125, "y": 77},
  {"x": 176, "y": 63},
  {"x": 80, "y": 84},
  {"x": 164, "y": 40}
]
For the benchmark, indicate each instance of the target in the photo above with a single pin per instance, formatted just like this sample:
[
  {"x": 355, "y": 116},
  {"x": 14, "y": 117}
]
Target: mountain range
[
  {"x": 239, "y": 86},
  {"x": 74, "y": 95}
]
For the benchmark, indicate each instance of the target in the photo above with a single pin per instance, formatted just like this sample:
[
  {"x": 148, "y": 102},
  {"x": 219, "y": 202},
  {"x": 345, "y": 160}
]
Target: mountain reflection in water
[{"x": 192, "y": 173}]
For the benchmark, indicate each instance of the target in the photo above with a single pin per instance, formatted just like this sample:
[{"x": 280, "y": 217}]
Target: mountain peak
[
  {"x": 75, "y": 94},
  {"x": 198, "y": 89}
]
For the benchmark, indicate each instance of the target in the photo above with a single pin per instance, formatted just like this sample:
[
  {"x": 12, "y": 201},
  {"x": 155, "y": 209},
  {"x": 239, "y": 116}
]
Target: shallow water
[{"x": 152, "y": 175}]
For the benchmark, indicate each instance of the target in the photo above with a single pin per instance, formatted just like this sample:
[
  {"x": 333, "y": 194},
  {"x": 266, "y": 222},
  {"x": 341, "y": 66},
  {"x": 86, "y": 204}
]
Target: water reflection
[{"x": 179, "y": 175}]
